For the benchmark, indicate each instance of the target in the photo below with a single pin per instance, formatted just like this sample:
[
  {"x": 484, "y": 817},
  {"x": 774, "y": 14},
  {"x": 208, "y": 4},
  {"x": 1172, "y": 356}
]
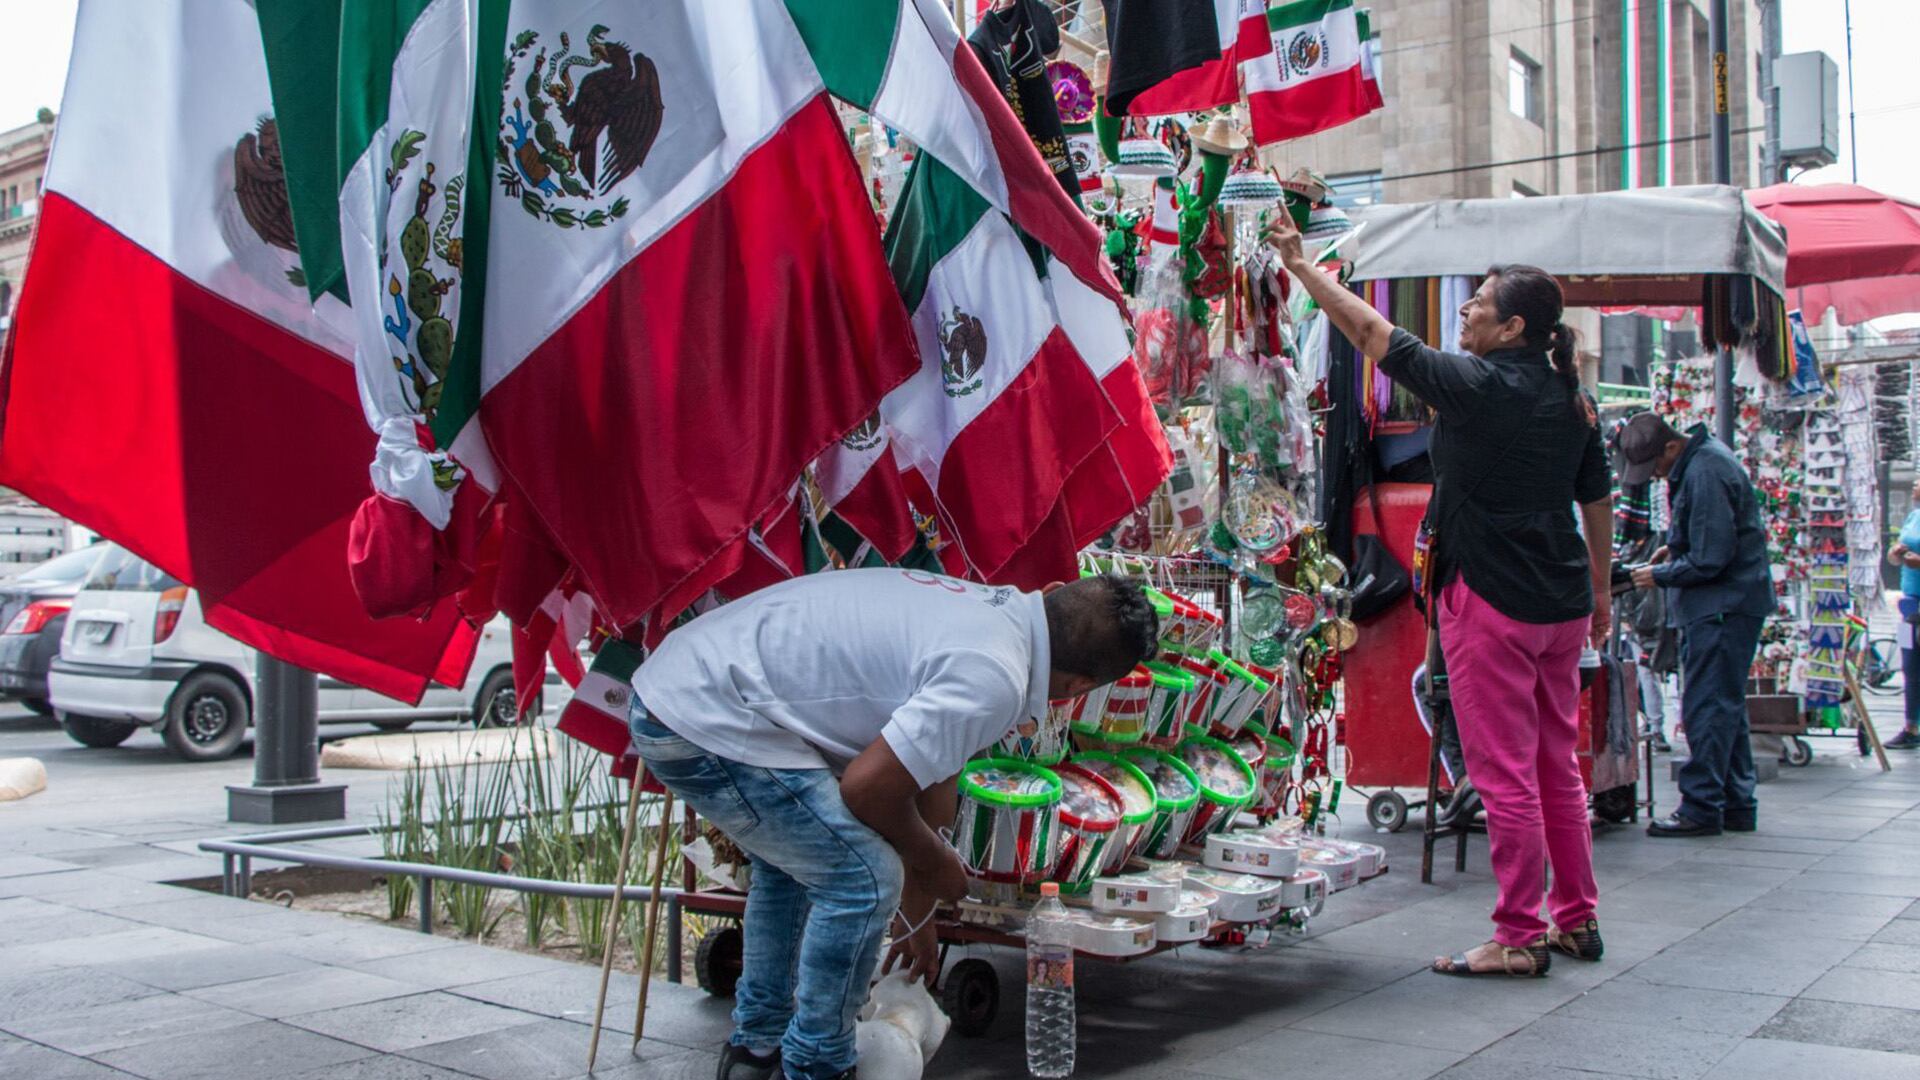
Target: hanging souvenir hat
[
  {"x": 1219, "y": 136},
  {"x": 1072, "y": 91},
  {"x": 1308, "y": 185},
  {"x": 1325, "y": 223},
  {"x": 1144, "y": 159},
  {"x": 1250, "y": 185}
]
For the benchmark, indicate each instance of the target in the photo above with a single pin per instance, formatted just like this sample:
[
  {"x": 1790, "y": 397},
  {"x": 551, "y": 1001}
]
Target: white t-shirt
[{"x": 807, "y": 673}]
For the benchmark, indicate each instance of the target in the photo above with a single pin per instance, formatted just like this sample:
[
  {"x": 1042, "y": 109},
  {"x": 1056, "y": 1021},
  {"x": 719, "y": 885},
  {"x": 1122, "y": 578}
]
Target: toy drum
[
  {"x": 1090, "y": 810},
  {"x": 1184, "y": 625},
  {"x": 1122, "y": 715},
  {"x": 1007, "y": 830},
  {"x": 1176, "y": 793},
  {"x": 1209, "y": 685},
  {"x": 1275, "y": 773},
  {"x": 1226, "y": 786},
  {"x": 1240, "y": 699},
  {"x": 1166, "y": 704},
  {"x": 1251, "y": 745},
  {"x": 1043, "y": 742},
  {"x": 1137, "y": 804}
]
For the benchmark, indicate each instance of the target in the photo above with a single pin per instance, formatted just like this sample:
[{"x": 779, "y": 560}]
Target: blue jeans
[
  {"x": 1910, "y": 672},
  {"x": 1716, "y": 782},
  {"x": 824, "y": 887}
]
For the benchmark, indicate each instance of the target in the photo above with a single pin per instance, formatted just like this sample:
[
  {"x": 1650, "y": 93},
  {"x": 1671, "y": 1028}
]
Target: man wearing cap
[
  {"x": 820, "y": 723},
  {"x": 1719, "y": 591}
]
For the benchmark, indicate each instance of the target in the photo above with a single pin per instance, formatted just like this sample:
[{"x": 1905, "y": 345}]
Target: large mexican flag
[
  {"x": 169, "y": 381},
  {"x": 1315, "y": 77}
]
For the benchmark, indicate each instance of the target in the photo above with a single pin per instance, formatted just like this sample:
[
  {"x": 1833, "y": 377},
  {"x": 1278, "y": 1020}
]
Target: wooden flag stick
[
  {"x": 653, "y": 922},
  {"x": 613, "y": 918}
]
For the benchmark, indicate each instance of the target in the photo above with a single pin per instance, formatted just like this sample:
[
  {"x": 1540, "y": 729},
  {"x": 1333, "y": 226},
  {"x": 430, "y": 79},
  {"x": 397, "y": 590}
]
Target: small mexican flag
[{"x": 1315, "y": 77}]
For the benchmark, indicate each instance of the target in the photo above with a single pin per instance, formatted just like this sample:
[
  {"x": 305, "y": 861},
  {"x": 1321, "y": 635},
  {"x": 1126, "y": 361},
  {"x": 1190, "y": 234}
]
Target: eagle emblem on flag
[
  {"x": 865, "y": 437},
  {"x": 563, "y": 145},
  {"x": 964, "y": 341}
]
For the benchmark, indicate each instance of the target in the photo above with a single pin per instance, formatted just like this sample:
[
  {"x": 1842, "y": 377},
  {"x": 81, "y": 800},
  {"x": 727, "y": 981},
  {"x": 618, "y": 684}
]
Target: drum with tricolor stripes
[
  {"x": 1137, "y": 804},
  {"x": 1166, "y": 704},
  {"x": 1176, "y": 792},
  {"x": 1226, "y": 786},
  {"x": 1007, "y": 830},
  {"x": 1090, "y": 810}
]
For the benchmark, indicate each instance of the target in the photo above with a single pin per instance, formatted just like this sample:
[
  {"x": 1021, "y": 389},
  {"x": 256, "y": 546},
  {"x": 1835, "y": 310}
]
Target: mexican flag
[
  {"x": 170, "y": 381},
  {"x": 1313, "y": 79},
  {"x": 1242, "y": 29}
]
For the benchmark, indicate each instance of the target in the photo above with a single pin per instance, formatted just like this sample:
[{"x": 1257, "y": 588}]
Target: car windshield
[
  {"x": 68, "y": 569},
  {"x": 120, "y": 570}
]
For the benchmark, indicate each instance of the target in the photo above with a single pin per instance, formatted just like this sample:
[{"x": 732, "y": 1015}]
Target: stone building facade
[{"x": 23, "y": 165}]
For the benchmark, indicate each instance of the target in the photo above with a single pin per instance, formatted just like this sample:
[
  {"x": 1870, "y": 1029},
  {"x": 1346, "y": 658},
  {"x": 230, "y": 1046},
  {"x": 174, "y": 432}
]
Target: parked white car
[{"x": 138, "y": 653}]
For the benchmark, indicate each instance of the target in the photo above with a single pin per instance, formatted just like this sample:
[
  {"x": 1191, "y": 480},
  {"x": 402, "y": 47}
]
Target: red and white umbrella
[{"x": 1849, "y": 248}]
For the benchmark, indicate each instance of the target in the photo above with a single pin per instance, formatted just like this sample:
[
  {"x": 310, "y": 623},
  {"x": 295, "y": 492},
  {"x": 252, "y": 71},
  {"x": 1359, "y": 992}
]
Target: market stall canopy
[
  {"x": 1849, "y": 248},
  {"x": 1650, "y": 246}
]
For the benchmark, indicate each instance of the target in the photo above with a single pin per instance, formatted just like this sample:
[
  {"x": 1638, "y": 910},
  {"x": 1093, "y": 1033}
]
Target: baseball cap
[{"x": 1642, "y": 441}]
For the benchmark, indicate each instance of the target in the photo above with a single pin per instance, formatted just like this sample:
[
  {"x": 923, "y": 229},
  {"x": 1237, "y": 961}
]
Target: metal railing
[{"x": 238, "y": 853}]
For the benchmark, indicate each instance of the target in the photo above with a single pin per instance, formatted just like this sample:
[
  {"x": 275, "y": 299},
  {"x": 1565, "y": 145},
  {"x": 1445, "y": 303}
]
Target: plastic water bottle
[{"x": 1051, "y": 1032}]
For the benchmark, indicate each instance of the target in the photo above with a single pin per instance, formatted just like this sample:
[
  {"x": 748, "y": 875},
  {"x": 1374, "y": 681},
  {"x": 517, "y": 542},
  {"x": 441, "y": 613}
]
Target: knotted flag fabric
[
  {"x": 214, "y": 427},
  {"x": 1314, "y": 77}
]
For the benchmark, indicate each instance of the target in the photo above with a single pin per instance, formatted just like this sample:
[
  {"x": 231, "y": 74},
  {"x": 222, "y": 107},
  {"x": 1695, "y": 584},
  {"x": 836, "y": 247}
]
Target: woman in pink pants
[{"x": 1521, "y": 590}]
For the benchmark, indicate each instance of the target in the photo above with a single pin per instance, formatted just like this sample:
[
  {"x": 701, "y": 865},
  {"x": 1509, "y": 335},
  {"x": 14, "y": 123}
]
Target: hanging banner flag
[
  {"x": 222, "y": 437},
  {"x": 1240, "y": 27},
  {"x": 1313, "y": 79}
]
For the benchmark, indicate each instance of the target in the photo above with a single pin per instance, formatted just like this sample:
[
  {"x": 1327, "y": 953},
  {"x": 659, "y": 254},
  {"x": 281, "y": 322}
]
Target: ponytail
[{"x": 1532, "y": 294}]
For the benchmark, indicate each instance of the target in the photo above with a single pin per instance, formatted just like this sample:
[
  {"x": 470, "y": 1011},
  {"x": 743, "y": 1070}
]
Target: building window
[
  {"x": 1523, "y": 87},
  {"x": 1356, "y": 189}
]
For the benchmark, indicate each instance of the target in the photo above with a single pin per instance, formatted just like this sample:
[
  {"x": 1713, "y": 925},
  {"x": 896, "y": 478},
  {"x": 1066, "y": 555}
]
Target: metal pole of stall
[
  {"x": 286, "y": 784},
  {"x": 1722, "y": 174}
]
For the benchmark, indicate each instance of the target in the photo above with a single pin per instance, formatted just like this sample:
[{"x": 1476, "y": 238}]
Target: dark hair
[
  {"x": 1100, "y": 627},
  {"x": 1534, "y": 295}
]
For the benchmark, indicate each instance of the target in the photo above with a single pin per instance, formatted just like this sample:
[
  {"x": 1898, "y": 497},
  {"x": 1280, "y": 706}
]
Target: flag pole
[
  {"x": 613, "y": 917},
  {"x": 653, "y": 922}
]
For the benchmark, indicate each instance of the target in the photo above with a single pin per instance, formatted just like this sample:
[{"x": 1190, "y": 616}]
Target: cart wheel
[
  {"x": 1614, "y": 804},
  {"x": 971, "y": 996},
  {"x": 716, "y": 963},
  {"x": 1387, "y": 810},
  {"x": 1797, "y": 752}
]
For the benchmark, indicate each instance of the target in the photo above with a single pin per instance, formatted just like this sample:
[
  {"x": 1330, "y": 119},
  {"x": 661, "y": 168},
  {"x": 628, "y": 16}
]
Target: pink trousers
[{"x": 1515, "y": 688}]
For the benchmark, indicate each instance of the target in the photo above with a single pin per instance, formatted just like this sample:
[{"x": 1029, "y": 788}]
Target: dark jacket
[
  {"x": 1716, "y": 546},
  {"x": 1513, "y": 453}
]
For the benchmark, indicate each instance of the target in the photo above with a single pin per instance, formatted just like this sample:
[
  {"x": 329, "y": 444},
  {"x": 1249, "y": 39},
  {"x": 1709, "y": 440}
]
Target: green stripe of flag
[
  {"x": 936, "y": 212},
  {"x": 371, "y": 33},
  {"x": 851, "y": 42},
  {"x": 302, "y": 70},
  {"x": 1303, "y": 13},
  {"x": 460, "y": 390},
  {"x": 617, "y": 660}
]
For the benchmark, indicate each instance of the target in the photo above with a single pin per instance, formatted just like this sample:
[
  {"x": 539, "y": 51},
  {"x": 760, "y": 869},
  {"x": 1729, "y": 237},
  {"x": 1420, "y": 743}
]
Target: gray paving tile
[
  {"x": 32, "y": 995},
  {"x": 64, "y": 926},
  {"x": 97, "y": 890},
  {"x": 1782, "y": 966},
  {"x": 1888, "y": 957},
  {"x": 1628, "y": 1000},
  {"x": 408, "y": 1023},
  {"x": 1865, "y": 986},
  {"x": 1912, "y": 911},
  {"x": 1903, "y": 886},
  {"x": 127, "y": 945},
  {"x": 1834, "y": 1023},
  {"x": 1779, "y": 860},
  {"x": 86, "y": 1032},
  {"x": 27, "y": 907},
  {"x": 314, "y": 989},
  {"x": 209, "y": 967},
  {"x": 698, "y": 1065},
  {"x": 1422, "y": 1016},
  {"x": 1493, "y": 1068},
  {"x": 1822, "y": 902},
  {"x": 1899, "y": 932},
  {"x": 1773, "y": 1059},
  {"x": 458, "y": 965},
  {"x": 563, "y": 995},
  {"x": 25, "y": 865},
  {"x": 30, "y": 1060},
  {"x": 547, "y": 1050},
  {"x": 1309, "y": 1053},
  {"x": 394, "y": 1067},
  {"x": 1605, "y": 1047},
  {"x": 360, "y": 944},
  {"x": 264, "y": 1048},
  {"x": 241, "y": 921}
]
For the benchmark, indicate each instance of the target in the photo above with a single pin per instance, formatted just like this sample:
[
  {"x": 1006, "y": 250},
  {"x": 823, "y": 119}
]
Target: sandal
[
  {"x": 1581, "y": 943},
  {"x": 1531, "y": 962}
]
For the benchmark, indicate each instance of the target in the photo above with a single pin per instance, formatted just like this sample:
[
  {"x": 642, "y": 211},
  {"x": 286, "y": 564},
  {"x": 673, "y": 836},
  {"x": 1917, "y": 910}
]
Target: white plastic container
[
  {"x": 1342, "y": 870},
  {"x": 1306, "y": 890},
  {"x": 1372, "y": 858},
  {"x": 1252, "y": 853},
  {"x": 1132, "y": 894},
  {"x": 1112, "y": 935},
  {"x": 1186, "y": 923},
  {"x": 1243, "y": 897}
]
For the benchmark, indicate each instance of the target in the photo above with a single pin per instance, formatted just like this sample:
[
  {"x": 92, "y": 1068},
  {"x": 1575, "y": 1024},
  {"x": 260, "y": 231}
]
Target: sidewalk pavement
[{"x": 1789, "y": 952}]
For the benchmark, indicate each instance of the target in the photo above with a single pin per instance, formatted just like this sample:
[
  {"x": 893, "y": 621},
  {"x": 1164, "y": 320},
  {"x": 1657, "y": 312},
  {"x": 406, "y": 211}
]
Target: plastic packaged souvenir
[
  {"x": 1176, "y": 795},
  {"x": 1143, "y": 893},
  {"x": 1225, "y": 782},
  {"x": 1137, "y": 801},
  {"x": 1007, "y": 829},
  {"x": 1243, "y": 897},
  {"x": 1183, "y": 924},
  {"x": 1342, "y": 870},
  {"x": 1111, "y": 935},
  {"x": 1251, "y": 852},
  {"x": 1090, "y": 810},
  {"x": 1306, "y": 890},
  {"x": 1371, "y": 859}
]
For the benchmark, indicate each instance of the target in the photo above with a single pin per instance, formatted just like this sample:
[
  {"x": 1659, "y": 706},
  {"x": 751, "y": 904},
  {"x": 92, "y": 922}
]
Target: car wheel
[
  {"x": 498, "y": 704},
  {"x": 38, "y": 705},
  {"x": 207, "y": 718},
  {"x": 96, "y": 732},
  {"x": 393, "y": 725}
]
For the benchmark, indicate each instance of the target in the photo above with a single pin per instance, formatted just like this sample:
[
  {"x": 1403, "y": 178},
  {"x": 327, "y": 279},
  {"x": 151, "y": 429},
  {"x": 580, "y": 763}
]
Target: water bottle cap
[{"x": 1050, "y": 888}]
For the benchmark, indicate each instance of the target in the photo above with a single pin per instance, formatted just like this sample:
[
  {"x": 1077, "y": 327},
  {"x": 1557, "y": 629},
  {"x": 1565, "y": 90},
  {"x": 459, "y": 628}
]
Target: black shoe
[
  {"x": 1678, "y": 824},
  {"x": 739, "y": 1063},
  {"x": 1906, "y": 740},
  {"x": 1740, "y": 824},
  {"x": 1661, "y": 745},
  {"x": 1581, "y": 942}
]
